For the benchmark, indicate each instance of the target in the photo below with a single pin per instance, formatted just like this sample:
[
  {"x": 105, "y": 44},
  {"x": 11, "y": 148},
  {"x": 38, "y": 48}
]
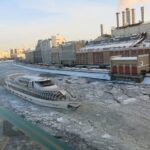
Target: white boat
[{"x": 40, "y": 90}]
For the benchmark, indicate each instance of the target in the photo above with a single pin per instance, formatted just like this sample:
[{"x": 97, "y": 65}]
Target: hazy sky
[{"x": 23, "y": 22}]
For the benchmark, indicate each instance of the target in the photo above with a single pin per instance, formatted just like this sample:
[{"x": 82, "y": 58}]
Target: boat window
[
  {"x": 23, "y": 82},
  {"x": 45, "y": 83}
]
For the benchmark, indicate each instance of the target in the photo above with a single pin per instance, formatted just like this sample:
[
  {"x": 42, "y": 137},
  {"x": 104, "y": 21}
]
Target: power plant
[
  {"x": 128, "y": 17},
  {"x": 129, "y": 24},
  {"x": 129, "y": 39}
]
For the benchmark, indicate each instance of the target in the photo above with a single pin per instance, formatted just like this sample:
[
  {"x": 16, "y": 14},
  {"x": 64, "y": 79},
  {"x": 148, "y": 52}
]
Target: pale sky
[{"x": 23, "y": 22}]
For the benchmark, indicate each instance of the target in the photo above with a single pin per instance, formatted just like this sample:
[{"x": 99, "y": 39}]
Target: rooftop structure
[
  {"x": 130, "y": 25},
  {"x": 119, "y": 58}
]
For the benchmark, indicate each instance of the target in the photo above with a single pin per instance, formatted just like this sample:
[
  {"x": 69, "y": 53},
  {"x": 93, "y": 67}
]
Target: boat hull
[{"x": 47, "y": 103}]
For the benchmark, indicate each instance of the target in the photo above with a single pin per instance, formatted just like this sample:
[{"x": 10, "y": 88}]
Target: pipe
[
  {"x": 123, "y": 18},
  {"x": 117, "y": 17},
  {"x": 128, "y": 16},
  {"x": 102, "y": 30},
  {"x": 142, "y": 14},
  {"x": 133, "y": 16}
]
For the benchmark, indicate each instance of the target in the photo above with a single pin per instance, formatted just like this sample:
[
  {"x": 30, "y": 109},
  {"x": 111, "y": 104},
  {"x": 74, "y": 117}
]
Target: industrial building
[
  {"x": 129, "y": 68},
  {"x": 129, "y": 39},
  {"x": 69, "y": 50},
  {"x": 129, "y": 25},
  {"x": 47, "y": 51}
]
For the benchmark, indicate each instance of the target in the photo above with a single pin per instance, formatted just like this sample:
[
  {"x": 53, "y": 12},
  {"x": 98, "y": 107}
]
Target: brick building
[{"x": 127, "y": 68}]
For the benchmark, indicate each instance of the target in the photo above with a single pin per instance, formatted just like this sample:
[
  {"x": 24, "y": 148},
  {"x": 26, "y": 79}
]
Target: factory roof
[
  {"x": 118, "y": 43},
  {"x": 107, "y": 46},
  {"x": 124, "y": 58}
]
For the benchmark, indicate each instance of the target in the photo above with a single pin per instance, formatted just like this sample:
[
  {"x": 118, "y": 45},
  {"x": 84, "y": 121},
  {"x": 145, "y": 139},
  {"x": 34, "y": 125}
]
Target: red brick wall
[
  {"x": 82, "y": 58},
  {"x": 126, "y": 53},
  {"x": 127, "y": 69},
  {"x": 134, "y": 70},
  {"x": 98, "y": 58},
  {"x": 114, "y": 69},
  {"x": 121, "y": 70}
]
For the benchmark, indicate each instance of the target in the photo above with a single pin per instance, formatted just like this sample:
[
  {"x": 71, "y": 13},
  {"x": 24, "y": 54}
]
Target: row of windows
[{"x": 132, "y": 65}]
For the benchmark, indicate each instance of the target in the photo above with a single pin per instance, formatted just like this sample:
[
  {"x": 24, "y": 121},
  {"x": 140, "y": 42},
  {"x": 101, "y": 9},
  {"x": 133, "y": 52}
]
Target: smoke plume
[{"x": 129, "y": 3}]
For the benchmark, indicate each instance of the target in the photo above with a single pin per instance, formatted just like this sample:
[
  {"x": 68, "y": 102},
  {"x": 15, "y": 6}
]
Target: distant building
[
  {"x": 4, "y": 54},
  {"x": 17, "y": 53},
  {"x": 57, "y": 40}
]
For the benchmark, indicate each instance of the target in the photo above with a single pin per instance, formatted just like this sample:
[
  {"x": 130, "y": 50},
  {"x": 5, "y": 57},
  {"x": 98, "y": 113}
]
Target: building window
[{"x": 98, "y": 58}]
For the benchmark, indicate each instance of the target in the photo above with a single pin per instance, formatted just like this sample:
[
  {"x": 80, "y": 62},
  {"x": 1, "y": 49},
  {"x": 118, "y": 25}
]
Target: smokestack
[
  {"x": 128, "y": 16},
  {"x": 133, "y": 16},
  {"x": 102, "y": 30},
  {"x": 142, "y": 14},
  {"x": 123, "y": 18},
  {"x": 117, "y": 17}
]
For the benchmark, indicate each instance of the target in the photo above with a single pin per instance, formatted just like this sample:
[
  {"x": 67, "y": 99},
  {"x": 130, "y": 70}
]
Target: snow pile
[
  {"x": 106, "y": 136},
  {"x": 129, "y": 100},
  {"x": 146, "y": 80}
]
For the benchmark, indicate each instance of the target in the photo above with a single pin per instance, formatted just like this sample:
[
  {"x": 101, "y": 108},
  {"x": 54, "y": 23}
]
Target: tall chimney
[
  {"x": 128, "y": 16},
  {"x": 123, "y": 18},
  {"x": 102, "y": 30},
  {"x": 133, "y": 16},
  {"x": 117, "y": 17},
  {"x": 142, "y": 14}
]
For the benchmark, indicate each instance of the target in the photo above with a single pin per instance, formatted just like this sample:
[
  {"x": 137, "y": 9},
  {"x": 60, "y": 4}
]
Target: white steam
[{"x": 129, "y": 3}]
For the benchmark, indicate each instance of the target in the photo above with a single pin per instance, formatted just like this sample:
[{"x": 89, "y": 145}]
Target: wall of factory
[
  {"x": 56, "y": 54},
  {"x": 30, "y": 57},
  {"x": 46, "y": 56},
  {"x": 103, "y": 57},
  {"x": 37, "y": 56},
  {"x": 69, "y": 51},
  {"x": 68, "y": 54},
  {"x": 127, "y": 31},
  {"x": 130, "y": 66},
  {"x": 43, "y": 48}
]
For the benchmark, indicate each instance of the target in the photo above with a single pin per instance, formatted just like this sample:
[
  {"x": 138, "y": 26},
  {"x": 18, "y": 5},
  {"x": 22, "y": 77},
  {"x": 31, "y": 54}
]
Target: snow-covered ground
[
  {"x": 83, "y": 72},
  {"x": 94, "y": 75},
  {"x": 112, "y": 116},
  {"x": 146, "y": 80}
]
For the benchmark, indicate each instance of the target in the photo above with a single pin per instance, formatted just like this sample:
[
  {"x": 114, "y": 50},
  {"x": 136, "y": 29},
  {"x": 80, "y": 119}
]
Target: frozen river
[{"x": 111, "y": 117}]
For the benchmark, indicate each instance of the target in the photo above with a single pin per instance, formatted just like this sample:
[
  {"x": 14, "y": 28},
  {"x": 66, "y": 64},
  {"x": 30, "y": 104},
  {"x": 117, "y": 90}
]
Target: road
[{"x": 111, "y": 117}]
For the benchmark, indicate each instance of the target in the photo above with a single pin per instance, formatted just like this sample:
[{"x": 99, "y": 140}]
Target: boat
[{"x": 40, "y": 90}]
